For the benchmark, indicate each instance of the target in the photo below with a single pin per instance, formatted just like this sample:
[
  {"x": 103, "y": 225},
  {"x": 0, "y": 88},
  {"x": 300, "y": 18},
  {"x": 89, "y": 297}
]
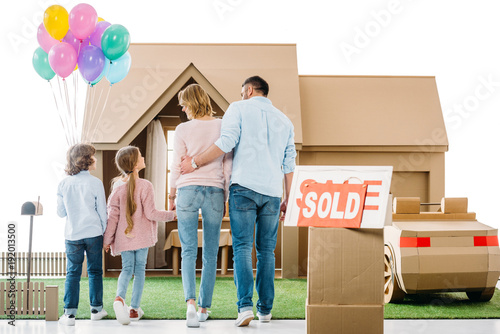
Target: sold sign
[
  {"x": 332, "y": 205},
  {"x": 327, "y": 196}
]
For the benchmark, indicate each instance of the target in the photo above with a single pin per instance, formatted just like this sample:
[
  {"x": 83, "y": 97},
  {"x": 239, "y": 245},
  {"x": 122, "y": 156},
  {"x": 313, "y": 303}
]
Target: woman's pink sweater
[
  {"x": 193, "y": 138},
  {"x": 144, "y": 233}
]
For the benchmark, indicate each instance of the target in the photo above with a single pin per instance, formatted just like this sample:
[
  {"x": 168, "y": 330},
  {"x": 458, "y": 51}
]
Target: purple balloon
[
  {"x": 91, "y": 62},
  {"x": 95, "y": 37}
]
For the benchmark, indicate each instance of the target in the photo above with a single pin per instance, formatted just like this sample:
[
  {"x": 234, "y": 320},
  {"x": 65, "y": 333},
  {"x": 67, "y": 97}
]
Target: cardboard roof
[
  {"x": 159, "y": 71},
  {"x": 372, "y": 111}
]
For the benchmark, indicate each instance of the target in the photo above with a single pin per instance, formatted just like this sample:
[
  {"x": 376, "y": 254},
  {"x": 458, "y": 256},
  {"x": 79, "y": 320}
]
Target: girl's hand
[
  {"x": 175, "y": 214},
  {"x": 106, "y": 248}
]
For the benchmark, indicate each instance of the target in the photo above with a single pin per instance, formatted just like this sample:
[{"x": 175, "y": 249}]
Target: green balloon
[
  {"x": 115, "y": 41},
  {"x": 41, "y": 64}
]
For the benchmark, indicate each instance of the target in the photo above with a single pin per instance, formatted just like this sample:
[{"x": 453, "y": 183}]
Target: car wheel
[
  {"x": 481, "y": 296},
  {"x": 392, "y": 291}
]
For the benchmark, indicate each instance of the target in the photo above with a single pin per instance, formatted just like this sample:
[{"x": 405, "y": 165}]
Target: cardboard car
[{"x": 446, "y": 251}]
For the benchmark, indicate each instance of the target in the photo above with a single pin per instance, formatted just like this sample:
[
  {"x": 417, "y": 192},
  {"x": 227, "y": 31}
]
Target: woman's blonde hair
[
  {"x": 126, "y": 159},
  {"x": 79, "y": 158},
  {"x": 196, "y": 100}
]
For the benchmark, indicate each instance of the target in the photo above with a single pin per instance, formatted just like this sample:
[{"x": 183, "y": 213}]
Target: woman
[{"x": 206, "y": 189}]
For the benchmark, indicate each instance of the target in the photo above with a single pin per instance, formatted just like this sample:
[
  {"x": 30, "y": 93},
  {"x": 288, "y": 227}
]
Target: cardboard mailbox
[{"x": 345, "y": 209}]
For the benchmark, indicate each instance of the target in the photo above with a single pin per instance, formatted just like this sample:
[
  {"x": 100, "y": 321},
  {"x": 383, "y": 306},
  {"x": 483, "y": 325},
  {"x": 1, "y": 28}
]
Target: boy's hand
[{"x": 106, "y": 248}]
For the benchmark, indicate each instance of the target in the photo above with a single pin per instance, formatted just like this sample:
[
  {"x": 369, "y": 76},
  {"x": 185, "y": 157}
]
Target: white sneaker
[
  {"x": 244, "y": 318},
  {"x": 192, "y": 317},
  {"x": 264, "y": 318},
  {"x": 202, "y": 317},
  {"x": 67, "y": 320},
  {"x": 95, "y": 315},
  {"x": 121, "y": 311},
  {"x": 135, "y": 315}
]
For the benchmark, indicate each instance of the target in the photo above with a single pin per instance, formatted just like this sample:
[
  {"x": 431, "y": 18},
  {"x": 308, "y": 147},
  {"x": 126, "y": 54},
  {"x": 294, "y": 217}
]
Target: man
[{"x": 263, "y": 141}]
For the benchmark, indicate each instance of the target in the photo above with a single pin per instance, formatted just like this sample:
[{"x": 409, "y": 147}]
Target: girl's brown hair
[
  {"x": 79, "y": 158},
  {"x": 126, "y": 159},
  {"x": 196, "y": 100}
]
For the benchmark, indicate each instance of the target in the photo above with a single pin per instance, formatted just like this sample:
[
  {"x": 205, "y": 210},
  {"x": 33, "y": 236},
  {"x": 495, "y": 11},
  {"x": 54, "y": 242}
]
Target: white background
[{"x": 456, "y": 41}]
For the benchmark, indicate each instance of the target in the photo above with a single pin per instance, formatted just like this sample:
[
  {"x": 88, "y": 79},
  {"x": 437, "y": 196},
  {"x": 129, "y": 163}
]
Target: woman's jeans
[
  {"x": 249, "y": 210},
  {"x": 211, "y": 202},
  {"x": 75, "y": 250},
  {"x": 133, "y": 263}
]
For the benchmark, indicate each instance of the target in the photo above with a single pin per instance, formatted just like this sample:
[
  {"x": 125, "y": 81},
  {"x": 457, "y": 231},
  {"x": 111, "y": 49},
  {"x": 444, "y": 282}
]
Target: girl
[
  {"x": 206, "y": 189},
  {"x": 131, "y": 229},
  {"x": 81, "y": 199}
]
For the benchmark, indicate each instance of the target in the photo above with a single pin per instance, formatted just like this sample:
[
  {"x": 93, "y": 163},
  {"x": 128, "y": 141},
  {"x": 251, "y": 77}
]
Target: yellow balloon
[
  {"x": 100, "y": 19},
  {"x": 56, "y": 21}
]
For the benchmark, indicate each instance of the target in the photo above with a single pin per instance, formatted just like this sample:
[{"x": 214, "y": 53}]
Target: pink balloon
[
  {"x": 95, "y": 37},
  {"x": 44, "y": 39},
  {"x": 82, "y": 20},
  {"x": 62, "y": 59}
]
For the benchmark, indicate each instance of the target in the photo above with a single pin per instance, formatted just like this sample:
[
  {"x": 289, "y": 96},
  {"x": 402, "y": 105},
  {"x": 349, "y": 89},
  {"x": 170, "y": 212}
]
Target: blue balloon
[{"x": 119, "y": 68}]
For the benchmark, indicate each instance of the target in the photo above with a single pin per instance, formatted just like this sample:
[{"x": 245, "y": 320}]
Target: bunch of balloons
[{"x": 80, "y": 40}]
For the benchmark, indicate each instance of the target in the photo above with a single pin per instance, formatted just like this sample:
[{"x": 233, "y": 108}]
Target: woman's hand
[
  {"x": 171, "y": 204},
  {"x": 106, "y": 248}
]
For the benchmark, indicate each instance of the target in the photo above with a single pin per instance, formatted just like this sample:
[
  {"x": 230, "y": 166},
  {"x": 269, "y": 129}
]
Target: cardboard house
[{"x": 338, "y": 120}]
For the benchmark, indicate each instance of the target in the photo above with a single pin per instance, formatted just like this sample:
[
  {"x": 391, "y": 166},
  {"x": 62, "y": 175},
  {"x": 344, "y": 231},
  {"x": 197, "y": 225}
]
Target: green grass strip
[{"x": 163, "y": 298}]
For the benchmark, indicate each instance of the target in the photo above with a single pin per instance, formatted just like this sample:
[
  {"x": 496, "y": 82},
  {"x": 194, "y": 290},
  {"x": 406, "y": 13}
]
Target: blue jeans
[
  {"x": 211, "y": 202},
  {"x": 249, "y": 210},
  {"x": 75, "y": 250},
  {"x": 133, "y": 263}
]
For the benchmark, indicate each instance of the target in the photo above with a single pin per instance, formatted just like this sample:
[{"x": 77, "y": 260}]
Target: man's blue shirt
[{"x": 263, "y": 141}]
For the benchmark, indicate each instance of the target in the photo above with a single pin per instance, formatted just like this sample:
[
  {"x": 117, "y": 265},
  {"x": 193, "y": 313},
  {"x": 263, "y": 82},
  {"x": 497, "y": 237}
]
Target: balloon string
[
  {"x": 85, "y": 116},
  {"x": 65, "y": 115},
  {"x": 102, "y": 111},
  {"x": 94, "y": 109},
  {"x": 58, "y": 112},
  {"x": 75, "y": 113},
  {"x": 99, "y": 99},
  {"x": 68, "y": 110},
  {"x": 91, "y": 112},
  {"x": 97, "y": 104}
]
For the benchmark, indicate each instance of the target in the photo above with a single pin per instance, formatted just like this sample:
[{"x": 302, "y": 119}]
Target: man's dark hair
[{"x": 258, "y": 84}]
